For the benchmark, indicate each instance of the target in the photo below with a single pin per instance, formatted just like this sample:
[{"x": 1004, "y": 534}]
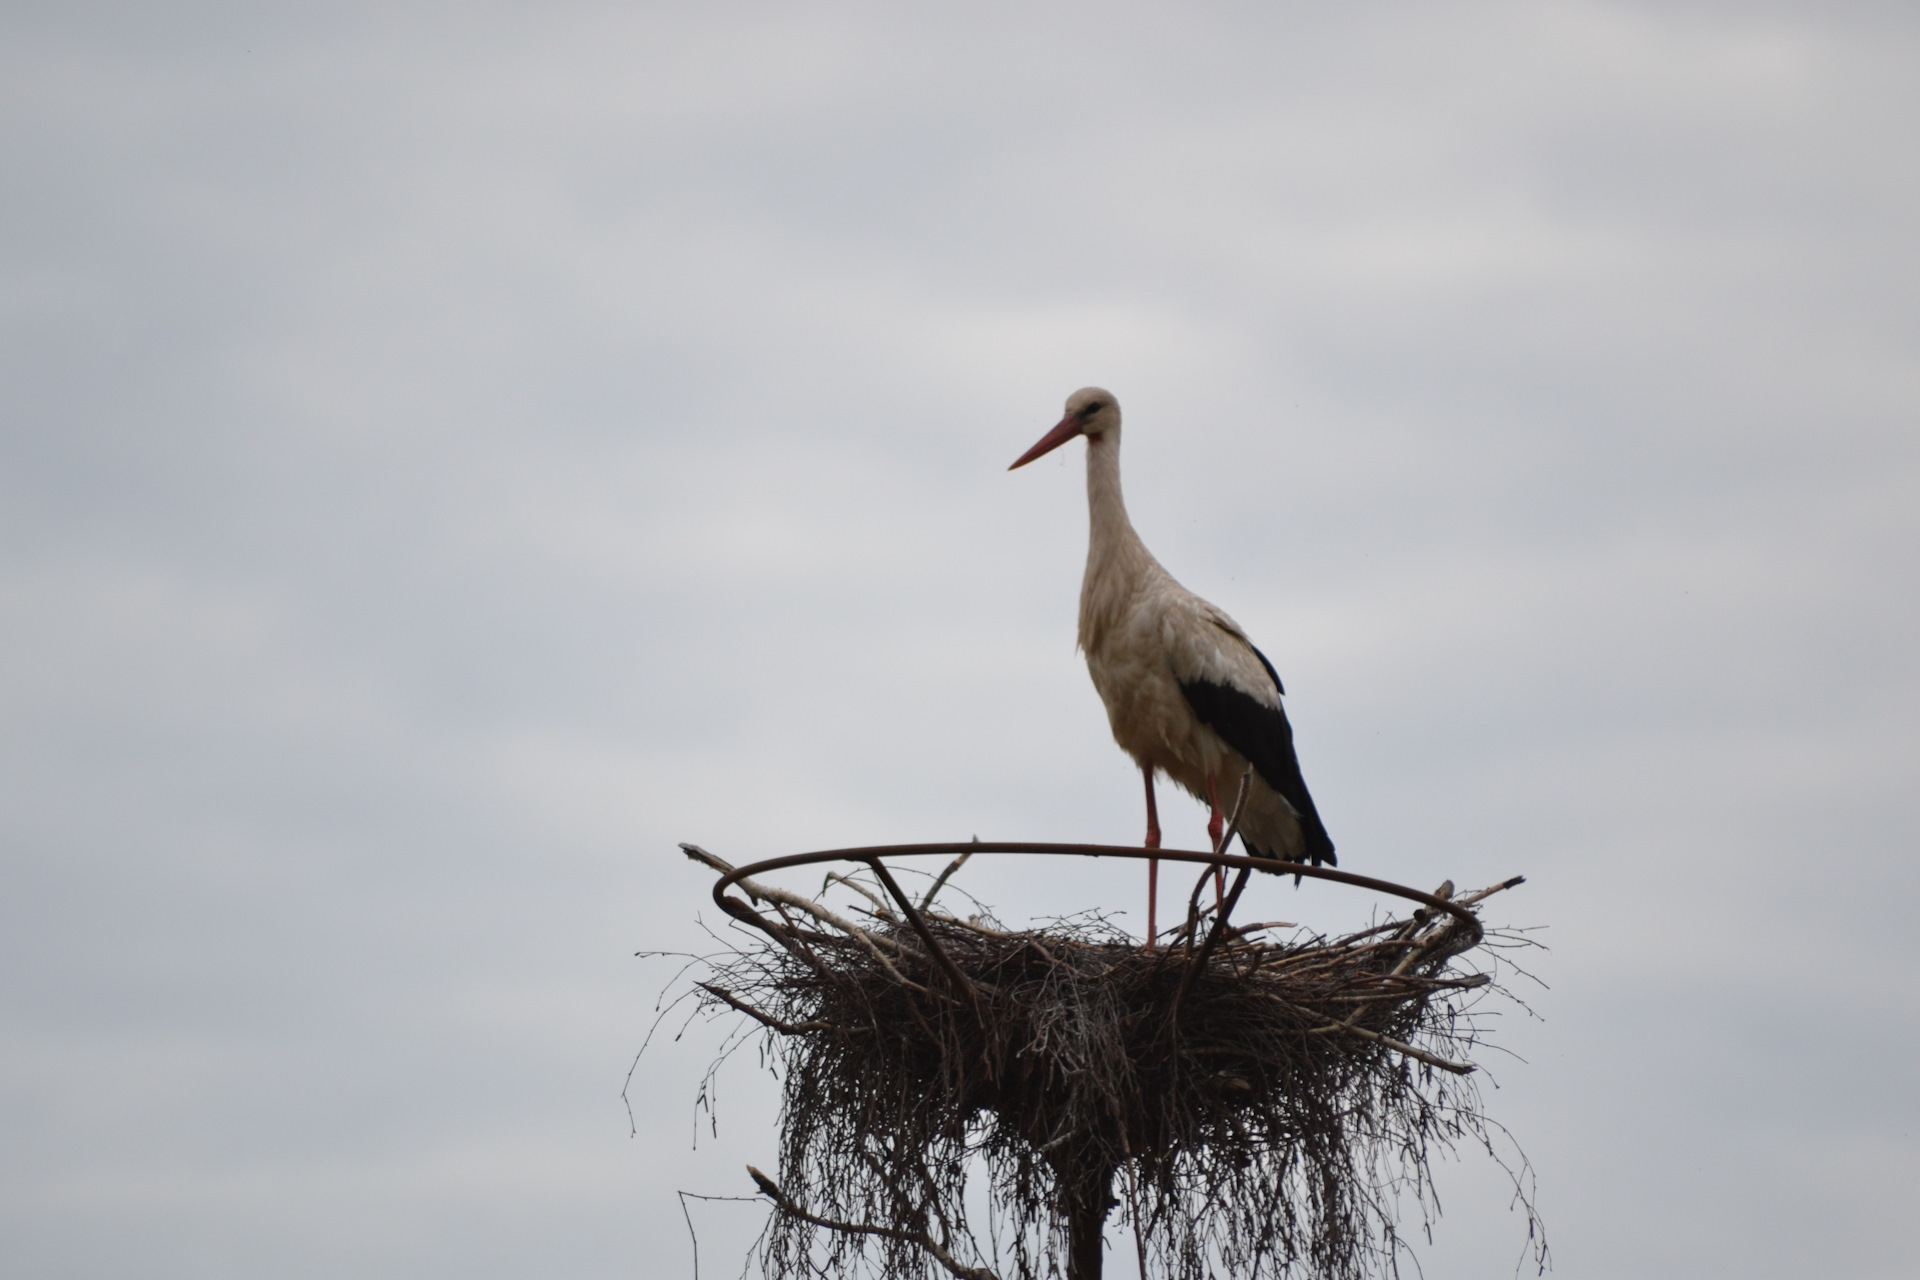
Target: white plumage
[{"x": 1186, "y": 692}]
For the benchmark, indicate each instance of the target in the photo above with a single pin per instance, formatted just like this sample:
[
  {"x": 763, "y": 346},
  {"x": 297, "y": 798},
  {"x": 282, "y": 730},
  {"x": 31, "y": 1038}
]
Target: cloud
[{"x": 451, "y": 457}]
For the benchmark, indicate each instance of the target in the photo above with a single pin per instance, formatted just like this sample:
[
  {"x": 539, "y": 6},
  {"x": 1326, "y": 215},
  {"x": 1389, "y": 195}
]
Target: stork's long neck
[{"x": 1118, "y": 563}]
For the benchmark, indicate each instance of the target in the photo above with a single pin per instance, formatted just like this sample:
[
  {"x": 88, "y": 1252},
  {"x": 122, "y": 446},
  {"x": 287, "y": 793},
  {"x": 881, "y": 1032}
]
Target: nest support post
[{"x": 1086, "y": 1198}]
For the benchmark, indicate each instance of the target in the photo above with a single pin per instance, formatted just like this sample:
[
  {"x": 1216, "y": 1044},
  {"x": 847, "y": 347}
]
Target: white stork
[{"x": 1186, "y": 692}]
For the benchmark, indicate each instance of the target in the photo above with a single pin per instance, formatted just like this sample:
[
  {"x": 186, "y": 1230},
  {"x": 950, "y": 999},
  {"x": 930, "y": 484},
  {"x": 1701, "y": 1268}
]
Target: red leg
[
  {"x": 1216, "y": 827},
  {"x": 1153, "y": 864},
  {"x": 1216, "y": 821}
]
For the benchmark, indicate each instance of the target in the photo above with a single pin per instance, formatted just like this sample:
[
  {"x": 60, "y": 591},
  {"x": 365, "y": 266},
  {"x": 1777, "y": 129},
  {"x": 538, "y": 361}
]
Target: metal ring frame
[{"x": 871, "y": 855}]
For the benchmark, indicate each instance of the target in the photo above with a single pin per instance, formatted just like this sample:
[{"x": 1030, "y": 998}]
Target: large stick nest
[{"x": 1254, "y": 1105}]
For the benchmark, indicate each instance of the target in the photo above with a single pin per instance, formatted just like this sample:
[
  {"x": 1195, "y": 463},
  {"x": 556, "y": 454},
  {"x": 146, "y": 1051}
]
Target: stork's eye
[{"x": 1091, "y": 409}]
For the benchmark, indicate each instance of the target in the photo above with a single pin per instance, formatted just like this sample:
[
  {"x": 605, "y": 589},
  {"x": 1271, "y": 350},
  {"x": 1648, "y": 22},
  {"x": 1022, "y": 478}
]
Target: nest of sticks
[{"x": 1252, "y": 1104}]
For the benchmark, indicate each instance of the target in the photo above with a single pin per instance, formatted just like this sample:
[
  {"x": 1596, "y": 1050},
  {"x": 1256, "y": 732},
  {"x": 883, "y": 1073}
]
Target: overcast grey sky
[{"x": 454, "y": 452}]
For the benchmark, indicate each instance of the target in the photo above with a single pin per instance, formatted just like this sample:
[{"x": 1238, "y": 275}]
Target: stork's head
[{"x": 1091, "y": 412}]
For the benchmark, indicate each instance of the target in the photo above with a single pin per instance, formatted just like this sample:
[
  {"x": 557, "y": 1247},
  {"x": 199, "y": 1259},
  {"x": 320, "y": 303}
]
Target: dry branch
[
  {"x": 784, "y": 1202},
  {"x": 941, "y": 882},
  {"x": 767, "y": 1019}
]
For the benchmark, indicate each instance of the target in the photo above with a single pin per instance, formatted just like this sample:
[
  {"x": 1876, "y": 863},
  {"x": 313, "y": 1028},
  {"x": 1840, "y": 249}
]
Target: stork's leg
[
  {"x": 1153, "y": 864},
  {"x": 1216, "y": 824}
]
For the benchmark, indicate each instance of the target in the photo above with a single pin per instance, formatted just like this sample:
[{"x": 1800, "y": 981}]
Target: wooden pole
[{"x": 1086, "y": 1201}]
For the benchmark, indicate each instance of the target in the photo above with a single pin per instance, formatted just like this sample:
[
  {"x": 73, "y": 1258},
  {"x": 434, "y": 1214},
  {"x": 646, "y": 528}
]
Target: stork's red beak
[{"x": 1067, "y": 429}]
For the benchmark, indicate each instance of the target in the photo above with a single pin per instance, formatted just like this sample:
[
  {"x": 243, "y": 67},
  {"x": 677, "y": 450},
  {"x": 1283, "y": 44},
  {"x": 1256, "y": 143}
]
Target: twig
[
  {"x": 1220, "y": 921},
  {"x": 784, "y": 1202},
  {"x": 1239, "y": 803},
  {"x": 880, "y": 909},
  {"x": 771, "y": 894},
  {"x": 1407, "y": 988},
  {"x": 1199, "y": 960},
  {"x": 693, "y": 1235},
  {"x": 1425, "y": 945},
  {"x": 795, "y": 942},
  {"x": 1241, "y": 936},
  {"x": 947, "y": 966},
  {"x": 784, "y": 1028},
  {"x": 1472, "y": 898},
  {"x": 754, "y": 889},
  {"x": 971, "y": 926},
  {"x": 1031, "y": 939},
  {"x": 1192, "y": 926},
  {"x": 941, "y": 881},
  {"x": 1398, "y": 1046}
]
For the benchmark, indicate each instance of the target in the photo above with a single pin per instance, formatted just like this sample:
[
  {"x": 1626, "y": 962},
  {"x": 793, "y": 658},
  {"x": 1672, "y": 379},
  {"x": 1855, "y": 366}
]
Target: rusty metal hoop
[{"x": 871, "y": 854}]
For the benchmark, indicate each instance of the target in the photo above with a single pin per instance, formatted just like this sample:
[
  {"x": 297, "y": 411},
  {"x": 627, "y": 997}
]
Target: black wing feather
[
  {"x": 1277, "y": 686},
  {"x": 1264, "y": 736}
]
